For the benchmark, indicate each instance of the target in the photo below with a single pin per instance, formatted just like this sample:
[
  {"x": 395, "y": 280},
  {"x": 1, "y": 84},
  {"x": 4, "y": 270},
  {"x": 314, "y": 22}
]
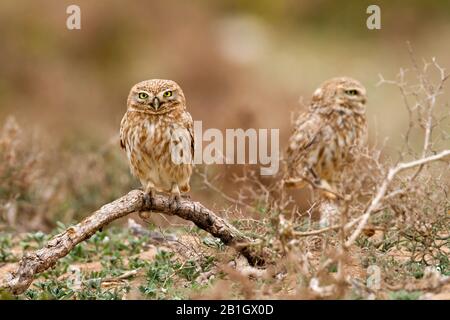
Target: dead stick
[{"x": 61, "y": 244}]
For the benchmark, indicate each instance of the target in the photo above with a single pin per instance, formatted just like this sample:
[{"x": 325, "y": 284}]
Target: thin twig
[{"x": 384, "y": 186}]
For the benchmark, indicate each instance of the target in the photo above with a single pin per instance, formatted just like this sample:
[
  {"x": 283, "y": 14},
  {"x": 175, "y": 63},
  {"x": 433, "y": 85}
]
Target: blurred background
[{"x": 241, "y": 64}]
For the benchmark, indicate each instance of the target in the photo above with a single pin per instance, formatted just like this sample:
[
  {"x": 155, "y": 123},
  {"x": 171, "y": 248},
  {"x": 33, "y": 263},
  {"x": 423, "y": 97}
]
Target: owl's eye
[
  {"x": 167, "y": 94},
  {"x": 351, "y": 92},
  {"x": 143, "y": 95}
]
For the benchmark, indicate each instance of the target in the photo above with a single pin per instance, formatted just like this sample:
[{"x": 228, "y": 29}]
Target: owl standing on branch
[
  {"x": 325, "y": 138},
  {"x": 157, "y": 135}
]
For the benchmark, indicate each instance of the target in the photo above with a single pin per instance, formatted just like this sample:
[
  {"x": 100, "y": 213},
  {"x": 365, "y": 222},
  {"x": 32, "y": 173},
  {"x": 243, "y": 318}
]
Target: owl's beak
[{"x": 155, "y": 103}]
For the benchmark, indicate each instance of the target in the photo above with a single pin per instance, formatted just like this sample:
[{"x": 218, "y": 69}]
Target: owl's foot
[
  {"x": 327, "y": 190},
  {"x": 174, "y": 198},
  {"x": 174, "y": 201},
  {"x": 148, "y": 203},
  {"x": 148, "y": 199},
  {"x": 293, "y": 183}
]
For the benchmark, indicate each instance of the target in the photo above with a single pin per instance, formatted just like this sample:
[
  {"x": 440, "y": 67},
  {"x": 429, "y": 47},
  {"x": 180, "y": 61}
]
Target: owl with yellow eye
[
  {"x": 329, "y": 135},
  {"x": 157, "y": 134}
]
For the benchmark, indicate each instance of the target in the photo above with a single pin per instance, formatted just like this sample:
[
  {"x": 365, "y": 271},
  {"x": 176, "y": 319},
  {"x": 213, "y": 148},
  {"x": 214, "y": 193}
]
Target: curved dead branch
[{"x": 61, "y": 244}]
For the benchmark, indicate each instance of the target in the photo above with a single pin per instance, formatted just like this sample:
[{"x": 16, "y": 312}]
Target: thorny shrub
[{"x": 390, "y": 221}]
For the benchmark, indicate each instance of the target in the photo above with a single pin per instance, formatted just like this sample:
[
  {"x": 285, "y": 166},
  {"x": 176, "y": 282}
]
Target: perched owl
[
  {"x": 326, "y": 136},
  {"x": 157, "y": 135}
]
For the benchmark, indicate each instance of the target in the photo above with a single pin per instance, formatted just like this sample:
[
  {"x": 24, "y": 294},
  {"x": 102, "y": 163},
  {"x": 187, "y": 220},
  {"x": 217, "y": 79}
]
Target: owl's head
[
  {"x": 342, "y": 93},
  {"x": 156, "y": 96}
]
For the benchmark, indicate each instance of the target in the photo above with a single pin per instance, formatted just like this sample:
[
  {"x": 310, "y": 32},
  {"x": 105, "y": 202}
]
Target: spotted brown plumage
[
  {"x": 155, "y": 129},
  {"x": 325, "y": 137}
]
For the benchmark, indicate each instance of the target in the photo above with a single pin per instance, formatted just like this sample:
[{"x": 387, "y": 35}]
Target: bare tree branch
[
  {"x": 384, "y": 186},
  {"x": 61, "y": 244}
]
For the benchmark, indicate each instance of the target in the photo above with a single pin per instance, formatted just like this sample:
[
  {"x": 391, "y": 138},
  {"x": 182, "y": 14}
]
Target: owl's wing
[
  {"x": 123, "y": 125},
  {"x": 307, "y": 133},
  {"x": 188, "y": 123}
]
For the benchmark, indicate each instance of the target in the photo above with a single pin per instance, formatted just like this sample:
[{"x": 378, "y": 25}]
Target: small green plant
[
  {"x": 416, "y": 269},
  {"x": 166, "y": 276},
  {"x": 213, "y": 242},
  {"x": 444, "y": 264},
  {"x": 159, "y": 275},
  {"x": 34, "y": 240},
  {"x": 5, "y": 249},
  {"x": 333, "y": 268},
  {"x": 405, "y": 295},
  {"x": 51, "y": 290}
]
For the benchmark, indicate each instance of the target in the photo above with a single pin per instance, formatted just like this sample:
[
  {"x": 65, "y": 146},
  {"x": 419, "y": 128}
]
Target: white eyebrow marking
[{"x": 318, "y": 92}]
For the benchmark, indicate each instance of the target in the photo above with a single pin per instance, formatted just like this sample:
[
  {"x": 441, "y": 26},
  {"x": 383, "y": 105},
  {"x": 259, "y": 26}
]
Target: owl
[
  {"x": 326, "y": 137},
  {"x": 157, "y": 134}
]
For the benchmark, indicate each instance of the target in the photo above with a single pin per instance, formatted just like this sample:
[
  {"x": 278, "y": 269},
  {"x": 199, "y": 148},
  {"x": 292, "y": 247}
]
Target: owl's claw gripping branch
[
  {"x": 148, "y": 199},
  {"x": 60, "y": 245}
]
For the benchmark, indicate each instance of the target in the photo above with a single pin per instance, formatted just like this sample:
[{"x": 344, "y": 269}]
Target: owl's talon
[
  {"x": 148, "y": 200},
  {"x": 186, "y": 196},
  {"x": 327, "y": 190},
  {"x": 174, "y": 201},
  {"x": 293, "y": 183},
  {"x": 329, "y": 195},
  {"x": 174, "y": 198}
]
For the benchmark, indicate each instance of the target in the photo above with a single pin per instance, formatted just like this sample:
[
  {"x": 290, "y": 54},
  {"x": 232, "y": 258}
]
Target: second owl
[{"x": 325, "y": 138}]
